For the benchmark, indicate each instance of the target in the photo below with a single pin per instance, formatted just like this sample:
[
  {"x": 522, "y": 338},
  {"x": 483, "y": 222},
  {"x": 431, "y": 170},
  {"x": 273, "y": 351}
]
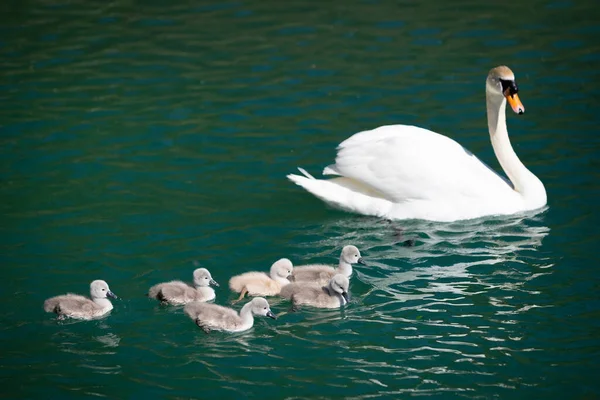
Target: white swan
[{"x": 405, "y": 172}]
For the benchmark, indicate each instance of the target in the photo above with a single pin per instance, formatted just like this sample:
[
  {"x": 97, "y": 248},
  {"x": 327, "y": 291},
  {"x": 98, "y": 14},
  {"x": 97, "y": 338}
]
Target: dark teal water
[{"x": 140, "y": 137}]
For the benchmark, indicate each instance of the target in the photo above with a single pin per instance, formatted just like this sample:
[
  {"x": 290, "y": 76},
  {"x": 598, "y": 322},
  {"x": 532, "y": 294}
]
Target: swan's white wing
[{"x": 406, "y": 163}]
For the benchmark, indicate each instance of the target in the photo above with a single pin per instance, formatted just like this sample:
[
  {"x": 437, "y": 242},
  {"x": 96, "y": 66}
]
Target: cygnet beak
[
  {"x": 111, "y": 294},
  {"x": 346, "y": 297},
  {"x": 214, "y": 283},
  {"x": 361, "y": 261},
  {"x": 271, "y": 315}
]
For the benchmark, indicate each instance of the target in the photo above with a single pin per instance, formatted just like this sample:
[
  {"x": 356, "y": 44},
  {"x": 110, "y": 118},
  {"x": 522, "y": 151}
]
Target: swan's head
[
  {"x": 501, "y": 82},
  {"x": 203, "y": 278},
  {"x": 339, "y": 284},
  {"x": 260, "y": 306},
  {"x": 351, "y": 255},
  {"x": 281, "y": 268},
  {"x": 99, "y": 290}
]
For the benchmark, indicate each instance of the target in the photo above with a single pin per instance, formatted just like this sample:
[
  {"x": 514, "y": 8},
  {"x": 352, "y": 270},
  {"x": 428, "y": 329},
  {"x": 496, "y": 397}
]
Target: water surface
[{"x": 138, "y": 139}]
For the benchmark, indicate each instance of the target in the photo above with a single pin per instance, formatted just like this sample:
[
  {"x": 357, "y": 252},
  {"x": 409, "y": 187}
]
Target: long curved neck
[
  {"x": 279, "y": 279},
  {"x": 246, "y": 315},
  {"x": 524, "y": 182},
  {"x": 205, "y": 290},
  {"x": 103, "y": 302},
  {"x": 199, "y": 286},
  {"x": 344, "y": 268},
  {"x": 333, "y": 293}
]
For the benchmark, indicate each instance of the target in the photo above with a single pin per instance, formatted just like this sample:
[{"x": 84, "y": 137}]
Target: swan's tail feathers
[
  {"x": 331, "y": 170},
  {"x": 342, "y": 193},
  {"x": 301, "y": 180},
  {"x": 345, "y": 194},
  {"x": 154, "y": 291},
  {"x": 306, "y": 174},
  {"x": 51, "y": 304},
  {"x": 236, "y": 284}
]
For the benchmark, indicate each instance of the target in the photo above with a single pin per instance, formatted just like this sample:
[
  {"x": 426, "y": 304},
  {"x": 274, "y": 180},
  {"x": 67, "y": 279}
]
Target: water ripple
[{"x": 138, "y": 140}]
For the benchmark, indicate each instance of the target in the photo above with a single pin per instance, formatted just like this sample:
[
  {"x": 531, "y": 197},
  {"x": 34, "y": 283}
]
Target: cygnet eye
[
  {"x": 265, "y": 308},
  {"x": 103, "y": 289}
]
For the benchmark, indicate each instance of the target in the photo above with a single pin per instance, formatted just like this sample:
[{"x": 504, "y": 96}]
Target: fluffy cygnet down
[
  {"x": 261, "y": 284},
  {"x": 334, "y": 295},
  {"x": 80, "y": 307},
  {"x": 178, "y": 292},
  {"x": 321, "y": 274},
  {"x": 210, "y": 316}
]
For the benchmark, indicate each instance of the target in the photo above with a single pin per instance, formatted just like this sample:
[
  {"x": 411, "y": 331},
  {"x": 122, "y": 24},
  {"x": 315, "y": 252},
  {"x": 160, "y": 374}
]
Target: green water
[{"x": 138, "y": 138}]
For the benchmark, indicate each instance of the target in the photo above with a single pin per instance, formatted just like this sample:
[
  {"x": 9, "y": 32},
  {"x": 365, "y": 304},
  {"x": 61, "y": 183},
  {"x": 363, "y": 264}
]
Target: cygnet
[
  {"x": 334, "y": 295},
  {"x": 261, "y": 284},
  {"x": 209, "y": 316},
  {"x": 80, "y": 307},
  {"x": 178, "y": 292},
  {"x": 321, "y": 274}
]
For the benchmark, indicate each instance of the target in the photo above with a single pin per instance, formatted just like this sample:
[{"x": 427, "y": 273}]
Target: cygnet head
[
  {"x": 501, "y": 83},
  {"x": 202, "y": 278},
  {"x": 282, "y": 268},
  {"x": 340, "y": 284},
  {"x": 351, "y": 255},
  {"x": 260, "y": 306},
  {"x": 99, "y": 290}
]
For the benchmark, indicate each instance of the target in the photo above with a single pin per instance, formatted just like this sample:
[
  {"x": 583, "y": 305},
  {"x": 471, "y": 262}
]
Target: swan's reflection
[
  {"x": 93, "y": 351},
  {"x": 78, "y": 342},
  {"x": 109, "y": 340}
]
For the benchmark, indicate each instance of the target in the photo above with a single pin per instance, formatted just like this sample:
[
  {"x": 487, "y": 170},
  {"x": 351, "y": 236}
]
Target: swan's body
[
  {"x": 80, "y": 307},
  {"x": 261, "y": 284},
  {"x": 405, "y": 172},
  {"x": 321, "y": 274},
  {"x": 210, "y": 316},
  {"x": 334, "y": 295},
  {"x": 178, "y": 292}
]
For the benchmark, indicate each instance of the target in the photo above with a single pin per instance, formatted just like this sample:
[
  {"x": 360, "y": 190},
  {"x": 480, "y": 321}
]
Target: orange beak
[{"x": 515, "y": 102}]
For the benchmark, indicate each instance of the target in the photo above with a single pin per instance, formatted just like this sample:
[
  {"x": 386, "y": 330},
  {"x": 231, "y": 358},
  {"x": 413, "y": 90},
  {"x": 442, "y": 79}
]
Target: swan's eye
[
  {"x": 265, "y": 308},
  {"x": 103, "y": 289},
  {"x": 509, "y": 86}
]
